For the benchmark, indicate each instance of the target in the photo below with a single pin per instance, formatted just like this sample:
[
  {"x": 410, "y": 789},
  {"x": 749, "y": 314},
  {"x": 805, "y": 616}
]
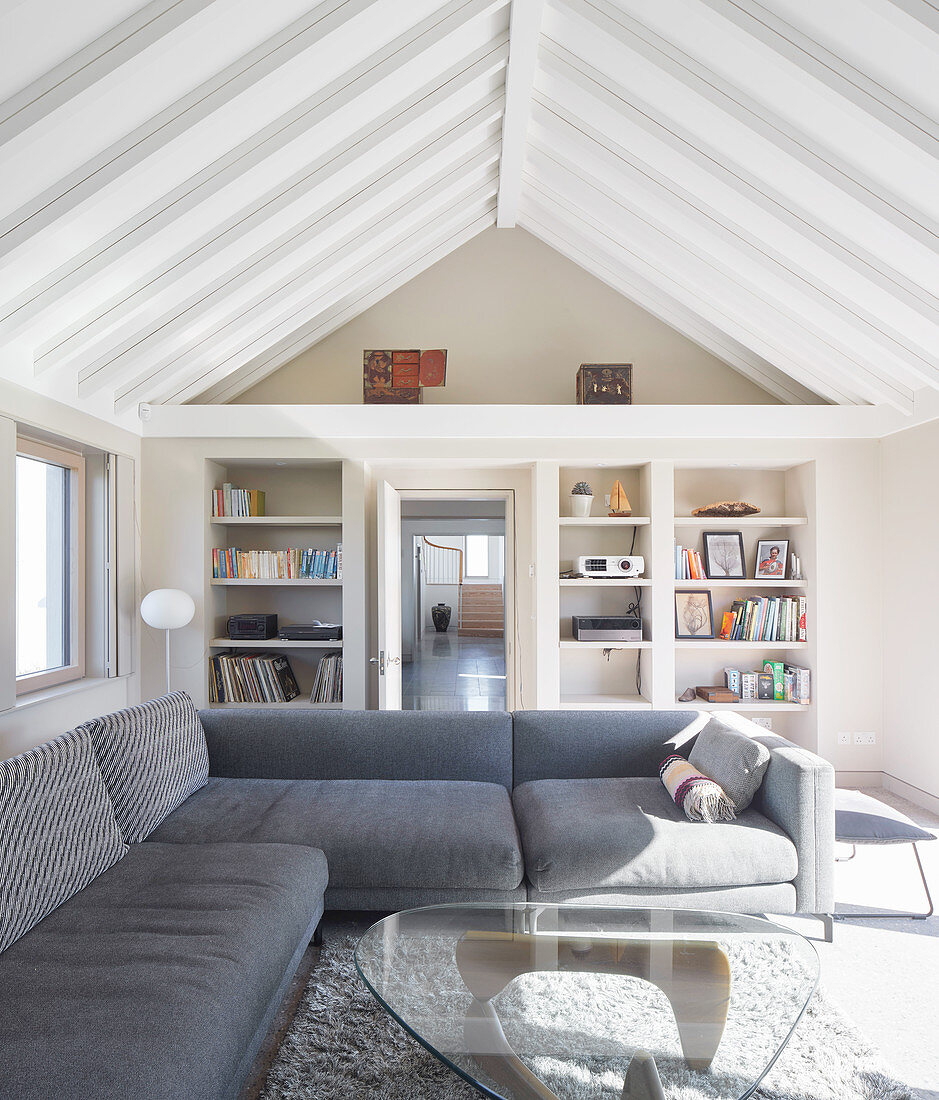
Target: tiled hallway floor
[{"x": 455, "y": 672}]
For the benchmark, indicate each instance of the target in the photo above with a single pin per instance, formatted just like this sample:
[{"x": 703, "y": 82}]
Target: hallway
[{"x": 455, "y": 672}]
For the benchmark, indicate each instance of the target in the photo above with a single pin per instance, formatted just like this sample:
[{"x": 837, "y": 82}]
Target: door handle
[{"x": 380, "y": 661}]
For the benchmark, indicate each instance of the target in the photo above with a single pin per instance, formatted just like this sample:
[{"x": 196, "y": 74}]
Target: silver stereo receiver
[
  {"x": 606, "y": 628},
  {"x": 610, "y": 565}
]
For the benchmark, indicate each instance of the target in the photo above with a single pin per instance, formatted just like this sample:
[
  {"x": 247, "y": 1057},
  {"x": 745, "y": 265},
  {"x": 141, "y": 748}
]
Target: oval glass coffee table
[{"x": 543, "y": 1001}]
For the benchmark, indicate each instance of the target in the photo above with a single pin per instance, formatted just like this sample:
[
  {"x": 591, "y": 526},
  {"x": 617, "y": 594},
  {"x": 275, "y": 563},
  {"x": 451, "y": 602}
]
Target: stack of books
[
  {"x": 228, "y": 501},
  {"x": 327, "y": 687},
  {"x": 765, "y": 619},
  {"x": 251, "y": 678},
  {"x": 775, "y": 681},
  {"x": 689, "y": 565},
  {"x": 290, "y": 564}
]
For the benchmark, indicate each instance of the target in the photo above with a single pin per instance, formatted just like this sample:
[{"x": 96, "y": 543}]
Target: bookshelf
[
  {"x": 602, "y": 675},
  {"x": 304, "y": 499}
]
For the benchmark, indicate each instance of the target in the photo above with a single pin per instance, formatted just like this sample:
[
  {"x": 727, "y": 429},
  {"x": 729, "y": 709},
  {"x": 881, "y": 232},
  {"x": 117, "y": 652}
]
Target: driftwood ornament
[
  {"x": 731, "y": 508},
  {"x": 619, "y": 502}
]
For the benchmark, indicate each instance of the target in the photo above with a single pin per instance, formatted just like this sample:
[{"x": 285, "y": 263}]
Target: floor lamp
[{"x": 167, "y": 609}]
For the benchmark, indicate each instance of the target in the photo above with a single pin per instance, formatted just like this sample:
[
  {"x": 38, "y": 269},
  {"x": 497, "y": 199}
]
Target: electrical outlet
[
  {"x": 766, "y": 723},
  {"x": 865, "y": 739},
  {"x": 844, "y": 738}
]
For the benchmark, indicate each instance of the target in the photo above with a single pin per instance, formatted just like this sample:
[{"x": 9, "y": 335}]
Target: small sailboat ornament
[{"x": 619, "y": 502}]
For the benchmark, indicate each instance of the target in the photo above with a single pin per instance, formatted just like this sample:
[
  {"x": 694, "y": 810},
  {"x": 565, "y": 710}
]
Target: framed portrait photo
[
  {"x": 723, "y": 555},
  {"x": 694, "y": 616},
  {"x": 771, "y": 555}
]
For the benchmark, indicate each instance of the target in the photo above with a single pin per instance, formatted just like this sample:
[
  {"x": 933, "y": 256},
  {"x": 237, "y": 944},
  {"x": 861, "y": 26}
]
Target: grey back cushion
[
  {"x": 57, "y": 830},
  {"x": 734, "y": 761},
  {"x": 153, "y": 757}
]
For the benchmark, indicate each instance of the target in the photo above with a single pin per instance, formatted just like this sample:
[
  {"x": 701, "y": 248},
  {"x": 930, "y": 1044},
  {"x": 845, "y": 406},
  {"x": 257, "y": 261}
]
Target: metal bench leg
[{"x": 896, "y": 916}]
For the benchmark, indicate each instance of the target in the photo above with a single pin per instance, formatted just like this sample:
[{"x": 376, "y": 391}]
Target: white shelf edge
[
  {"x": 571, "y": 643},
  {"x": 243, "y": 582},
  {"x": 743, "y": 707},
  {"x": 276, "y": 521},
  {"x": 604, "y": 521},
  {"x": 740, "y": 521},
  {"x": 605, "y": 582},
  {"x": 302, "y": 702},
  {"x": 746, "y": 583},
  {"x": 271, "y": 643},
  {"x": 604, "y": 702},
  {"x": 723, "y": 643}
]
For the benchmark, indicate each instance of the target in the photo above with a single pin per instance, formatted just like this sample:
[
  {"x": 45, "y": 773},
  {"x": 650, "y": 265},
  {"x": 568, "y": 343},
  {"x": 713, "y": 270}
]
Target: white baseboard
[
  {"x": 859, "y": 779},
  {"x": 913, "y": 794}
]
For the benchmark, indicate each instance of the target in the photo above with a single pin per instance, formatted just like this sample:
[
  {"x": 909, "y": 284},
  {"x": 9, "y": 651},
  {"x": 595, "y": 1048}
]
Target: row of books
[
  {"x": 689, "y": 565},
  {"x": 229, "y": 501},
  {"x": 327, "y": 687},
  {"x": 765, "y": 619},
  {"x": 251, "y": 678},
  {"x": 294, "y": 563},
  {"x": 776, "y": 680}
]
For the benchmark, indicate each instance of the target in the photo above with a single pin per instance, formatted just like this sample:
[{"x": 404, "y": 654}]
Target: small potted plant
[{"x": 581, "y": 499}]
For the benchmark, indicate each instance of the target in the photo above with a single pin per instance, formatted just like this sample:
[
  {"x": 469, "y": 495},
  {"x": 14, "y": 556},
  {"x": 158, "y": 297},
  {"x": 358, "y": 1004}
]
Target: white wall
[
  {"x": 517, "y": 320},
  {"x": 35, "y": 718},
  {"x": 905, "y": 592}
]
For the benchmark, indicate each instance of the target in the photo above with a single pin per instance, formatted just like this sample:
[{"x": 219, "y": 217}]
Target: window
[
  {"x": 477, "y": 555},
  {"x": 50, "y": 572}
]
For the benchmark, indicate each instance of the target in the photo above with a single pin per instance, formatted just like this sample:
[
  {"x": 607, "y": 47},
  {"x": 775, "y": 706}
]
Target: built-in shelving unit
[{"x": 305, "y": 502}]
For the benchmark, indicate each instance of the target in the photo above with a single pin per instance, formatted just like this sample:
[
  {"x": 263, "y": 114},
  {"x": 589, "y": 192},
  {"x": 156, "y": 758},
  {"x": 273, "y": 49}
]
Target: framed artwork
[
  {"x": 723, "y": 555},
  {"x": 694, "y": 615},
  {"x": 771, "y": 555}
]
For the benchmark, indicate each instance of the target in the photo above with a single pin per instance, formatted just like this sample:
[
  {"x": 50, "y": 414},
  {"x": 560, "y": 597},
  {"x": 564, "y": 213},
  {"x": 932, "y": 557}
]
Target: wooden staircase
[{"x": 483, "y": 614}]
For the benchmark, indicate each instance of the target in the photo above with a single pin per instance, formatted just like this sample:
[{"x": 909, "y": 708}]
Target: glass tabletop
[{"x": 530, "y": 1000}]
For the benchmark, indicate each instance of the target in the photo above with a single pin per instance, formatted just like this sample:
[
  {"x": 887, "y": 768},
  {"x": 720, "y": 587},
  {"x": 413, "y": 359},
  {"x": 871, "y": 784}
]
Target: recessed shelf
[
  {"x": 571, "y": 643},
  {"x": 269, "y": 583},
  {"x": 604, "y": 582},
  {"x": 271, "y": 643},
  {"x": 740, "y": 521},
  {"x": 742, "y": 584},
  {"x": 724, "y": 643},
  {"x": 605, "y": 702},
  {"x": 751, "y": 706},
  {"x": 604, "y": 521},
  {"x": 277, "y": 521}
]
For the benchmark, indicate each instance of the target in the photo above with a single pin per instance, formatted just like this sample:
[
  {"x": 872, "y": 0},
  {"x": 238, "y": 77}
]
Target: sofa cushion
[
  {"x": 152, "y": 757},
  {"x": 57, "y": 830},
  {"x": 592, "y": 833},
  {"x": 375, "y": 832},
  {"x": 734, "y": 761},
  {"x": 152, "y": 981}
]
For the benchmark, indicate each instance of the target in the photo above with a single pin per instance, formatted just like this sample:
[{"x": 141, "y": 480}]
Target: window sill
[{"x": 59, "y": 691}]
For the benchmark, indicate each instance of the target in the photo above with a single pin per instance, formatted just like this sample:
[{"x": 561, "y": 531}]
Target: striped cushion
[
  {"x": 57, "y": 830},
  {"x": 700, "y": 797},
  {"x": 153, "y": 757}
]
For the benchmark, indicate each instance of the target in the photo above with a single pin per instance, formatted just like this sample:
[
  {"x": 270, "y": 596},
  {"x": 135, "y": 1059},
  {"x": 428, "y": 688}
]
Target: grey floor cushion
[
  {"x": 57, "y": 830},
  {"x": 593, "y": 833},
  {"x": 151, "y": 982},
  {"x": 860, "y": 819},
  {"x": 375, "y": 832},
  {"x": 152, "y": 756}
]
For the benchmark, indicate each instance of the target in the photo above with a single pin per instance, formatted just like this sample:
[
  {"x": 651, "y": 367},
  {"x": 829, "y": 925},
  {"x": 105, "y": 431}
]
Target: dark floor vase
[{"x": 440, "y": 613}]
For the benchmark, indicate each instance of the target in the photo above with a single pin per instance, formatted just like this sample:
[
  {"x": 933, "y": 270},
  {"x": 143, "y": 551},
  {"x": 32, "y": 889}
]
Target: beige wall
[
  {"x": 517, "y": 320},
  {"x": 908, "y": 576}
]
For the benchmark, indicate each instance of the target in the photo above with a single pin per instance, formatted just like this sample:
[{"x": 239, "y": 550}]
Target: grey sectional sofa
[{"x": 159, "y": 979}]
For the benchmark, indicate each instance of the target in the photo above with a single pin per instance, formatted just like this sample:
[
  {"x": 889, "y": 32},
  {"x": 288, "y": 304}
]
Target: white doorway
[{"x": 454, "y": 603}]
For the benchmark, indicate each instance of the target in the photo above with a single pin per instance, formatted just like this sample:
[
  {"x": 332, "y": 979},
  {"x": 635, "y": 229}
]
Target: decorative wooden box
[{"x": 605, "y": 384}]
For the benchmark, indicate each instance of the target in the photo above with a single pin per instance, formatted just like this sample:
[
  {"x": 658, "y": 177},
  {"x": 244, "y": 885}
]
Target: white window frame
[{"x": 75, "y": 463}]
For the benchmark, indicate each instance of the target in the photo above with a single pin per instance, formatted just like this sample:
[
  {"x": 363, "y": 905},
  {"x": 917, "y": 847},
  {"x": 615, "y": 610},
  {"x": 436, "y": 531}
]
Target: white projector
[{"x": 610, "y": 565}]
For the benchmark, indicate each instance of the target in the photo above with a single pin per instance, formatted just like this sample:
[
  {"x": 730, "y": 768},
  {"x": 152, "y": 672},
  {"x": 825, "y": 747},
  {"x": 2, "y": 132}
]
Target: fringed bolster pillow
[{"x": 700, "y": 798}]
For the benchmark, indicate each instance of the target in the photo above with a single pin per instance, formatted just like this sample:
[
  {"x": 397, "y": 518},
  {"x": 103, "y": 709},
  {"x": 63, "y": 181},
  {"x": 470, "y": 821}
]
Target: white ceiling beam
[
  {"x": 209, "y": 338},
  {"x": 831, "y": 71},
  {"x": 583, "y": 151},
  {"x": 678, "y": 139},
  {"x": 97, "y": 60},
  {"x": 602, "y": 265},
  {"x": 732, "y": 306},
  {"x": 630, "y": 34},
  {"x": 923, "y": 11},
  {"x": 90, "y": 178},
  {"x": 432, "y": 245},
  {"x": 524, "y": 36},
  {"x": 90, "y": 267},
  {"x": 120, "y": 319}
]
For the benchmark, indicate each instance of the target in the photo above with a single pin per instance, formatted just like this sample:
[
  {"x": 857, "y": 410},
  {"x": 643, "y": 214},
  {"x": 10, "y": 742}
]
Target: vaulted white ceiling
[{"x": 193, "y": 192}]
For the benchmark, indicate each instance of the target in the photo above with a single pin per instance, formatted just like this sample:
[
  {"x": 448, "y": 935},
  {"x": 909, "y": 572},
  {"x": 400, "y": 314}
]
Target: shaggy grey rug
[{"x": 342, "y": 1045}]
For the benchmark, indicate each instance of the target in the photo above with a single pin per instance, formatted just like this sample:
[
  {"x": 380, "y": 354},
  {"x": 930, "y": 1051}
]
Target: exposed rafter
[{"x": 525, "y": 32}]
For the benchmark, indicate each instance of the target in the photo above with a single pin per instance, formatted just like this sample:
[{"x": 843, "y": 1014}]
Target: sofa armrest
[{"x": 798, "y": 794}]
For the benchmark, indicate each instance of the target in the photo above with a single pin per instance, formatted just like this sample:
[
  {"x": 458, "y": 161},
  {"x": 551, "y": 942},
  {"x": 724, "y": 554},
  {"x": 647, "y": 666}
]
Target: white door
[{"x": 389, "y": 598}]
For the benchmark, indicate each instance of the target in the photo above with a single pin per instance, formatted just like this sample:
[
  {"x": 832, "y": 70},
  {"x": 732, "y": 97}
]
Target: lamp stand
[{"x": 167, "y": 633}]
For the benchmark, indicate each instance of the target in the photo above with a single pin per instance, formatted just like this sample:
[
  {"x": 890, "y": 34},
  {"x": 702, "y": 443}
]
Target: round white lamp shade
[{"x": 167, "y": 608}]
